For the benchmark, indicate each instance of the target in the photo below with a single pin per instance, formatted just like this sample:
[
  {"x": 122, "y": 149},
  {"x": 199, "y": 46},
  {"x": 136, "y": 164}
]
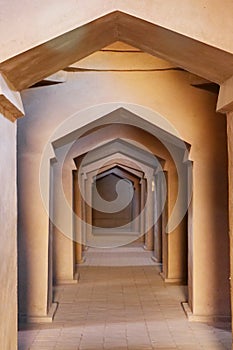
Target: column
[
  {"x": 63, "y": 225},
  {"x": 230, "y": 196},
  {"x": 77, "y": 203},
  {"x": 88, "y": 208},
  {"x": 33, "y": 232},
  {"x": 174, "y": 255},
  {"x": 225, "y": 106},
  {"x": 143, "y": 200},
  {"x": 83, "y": 210},
  {"x": 158, "y": 218},
  {"x": 149, "y": 237},
  {"x": 136, "y": 204}
]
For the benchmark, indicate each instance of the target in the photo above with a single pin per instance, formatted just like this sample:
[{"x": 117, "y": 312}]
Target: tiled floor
[{"x": 122, "y": 303}]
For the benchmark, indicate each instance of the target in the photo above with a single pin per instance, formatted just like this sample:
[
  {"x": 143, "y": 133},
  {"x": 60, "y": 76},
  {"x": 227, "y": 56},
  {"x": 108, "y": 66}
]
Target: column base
[
  {"x": 81, "y": 261},
  {"x": 40, "y": 319},
  {"x": 146, "y": 248},
  {"x": 68, "y": 281},
  {"x": 172, "y": 280},
  {"x": 204, "y": 318},
  {"x": 156, "y": 260}
]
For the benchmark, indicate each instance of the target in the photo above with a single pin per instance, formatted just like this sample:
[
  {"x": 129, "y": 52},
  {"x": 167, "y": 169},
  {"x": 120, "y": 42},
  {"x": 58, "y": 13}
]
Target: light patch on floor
[{"x": 121, "y": 302}]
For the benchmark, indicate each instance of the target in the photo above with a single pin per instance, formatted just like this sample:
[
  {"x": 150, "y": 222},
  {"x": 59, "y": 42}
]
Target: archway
[
  {"x": 63, "y": 245},
  {"x": 126, "y": 113},
  {"x": 223, "y": 74},
  {"x": 105, "y": 186}
]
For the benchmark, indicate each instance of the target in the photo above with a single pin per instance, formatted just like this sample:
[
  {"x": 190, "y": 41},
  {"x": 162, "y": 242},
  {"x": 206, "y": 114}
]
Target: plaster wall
[
  {"x": 33, "y": 236},
  {"x": 192, "y": 112},
  {"x": 195, "y": 18},
  {"x": 8, "y": 240},
  {"x": 106, "y": 188}
]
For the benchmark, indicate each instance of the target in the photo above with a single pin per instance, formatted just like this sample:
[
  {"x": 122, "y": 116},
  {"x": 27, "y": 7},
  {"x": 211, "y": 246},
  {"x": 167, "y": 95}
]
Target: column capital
[
  {"x": 84, "y": 176},
  {"x": 90, "y": 177},
  {"x": 159, "y": 171},
  {"x": 69, "y": 165},
  {"x": 142, "y": 180},
  {"x": 11, "y": 105},
  {"x": 225, "y": 97}
]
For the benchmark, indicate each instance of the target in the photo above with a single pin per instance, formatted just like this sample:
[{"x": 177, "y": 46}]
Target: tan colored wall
[
  {"x": 8, "y": 240},
  {"x": 192, "y": 18},
  {"x": 192, "y": 112},
  {"x": 106, "y": 188},
  {"x": 32, "y": 248}
]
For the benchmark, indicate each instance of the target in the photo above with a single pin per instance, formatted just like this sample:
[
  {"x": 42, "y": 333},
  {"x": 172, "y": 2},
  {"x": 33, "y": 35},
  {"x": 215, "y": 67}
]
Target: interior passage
[{"x": 121, "y": 302}]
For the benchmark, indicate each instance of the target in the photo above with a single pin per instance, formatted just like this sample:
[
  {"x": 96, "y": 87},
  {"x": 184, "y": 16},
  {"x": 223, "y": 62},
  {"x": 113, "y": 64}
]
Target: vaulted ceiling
[{"x": 31, "y": 66}]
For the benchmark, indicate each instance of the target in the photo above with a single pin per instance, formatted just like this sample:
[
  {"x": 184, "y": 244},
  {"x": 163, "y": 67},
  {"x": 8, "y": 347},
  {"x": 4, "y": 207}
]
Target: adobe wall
[
  {"x": 192, "y": 18},
  {"x": 8, "y": 240}
]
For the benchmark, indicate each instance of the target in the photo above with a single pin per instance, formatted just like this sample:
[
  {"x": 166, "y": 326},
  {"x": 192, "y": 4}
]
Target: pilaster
[
  {"x": 225, "y": 105},
  {"x": 77, "y": 206},
  {"x": 149, "y": 237}
]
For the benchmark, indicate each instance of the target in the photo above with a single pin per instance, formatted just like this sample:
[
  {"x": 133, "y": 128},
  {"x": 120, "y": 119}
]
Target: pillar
[
  {"x": 77, "y": 203},
  {"x": 64, "y": 269},
  {"x": 83, "y": 211},
  {"x": 225, "y": 106},
  {"x": 33, "y": 232},
  {"x": 149, "y": 237},
  {"x": 158, "y": 199},
  {"x": 174, "y": 242},
  {"x": 143, "y": 198},
  {"x": 230, "y": 197},
  {"x": 88, "y": 208},
  {"x": 136, "y": 200}
]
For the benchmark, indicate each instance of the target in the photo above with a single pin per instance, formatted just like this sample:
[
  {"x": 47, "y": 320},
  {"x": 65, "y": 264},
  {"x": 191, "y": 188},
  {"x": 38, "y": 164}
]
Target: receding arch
[
  {"x": 67, "y": 133},
  {"x": 103, "y": 145},
  {"x": 105, "y": 183},
  {"x": 84, "y": 121}
]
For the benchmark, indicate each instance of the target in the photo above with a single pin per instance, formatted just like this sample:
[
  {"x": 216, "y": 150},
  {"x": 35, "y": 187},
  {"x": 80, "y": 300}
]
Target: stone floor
[{"x": 121, "y": 303}]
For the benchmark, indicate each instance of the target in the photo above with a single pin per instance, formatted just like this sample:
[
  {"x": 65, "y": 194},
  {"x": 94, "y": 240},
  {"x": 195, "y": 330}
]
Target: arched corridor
[
  {"x": 123, "y": 175},
  {"x": 116, "y": 199},
  {"x": 119, "y": 297}
]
